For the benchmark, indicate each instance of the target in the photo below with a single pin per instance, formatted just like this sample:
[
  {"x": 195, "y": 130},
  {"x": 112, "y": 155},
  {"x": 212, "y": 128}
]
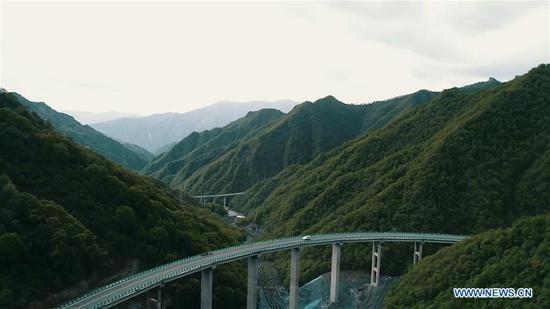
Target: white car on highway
[{"x": 307, "y": 237}]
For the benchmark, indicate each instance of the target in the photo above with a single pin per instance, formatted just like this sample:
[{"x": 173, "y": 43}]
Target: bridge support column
[
  {"x": 294, "y": 293},
  {"x": 159, "y": 297},
  {"x": 252, "y": 293},
  {"x": 418, "y": 246},
  {"x": 224, "y": 201},
  {"x": 206, "y": 288},
  {"x": 335, "y": 272},
  {"x": 375, "y": 269}
]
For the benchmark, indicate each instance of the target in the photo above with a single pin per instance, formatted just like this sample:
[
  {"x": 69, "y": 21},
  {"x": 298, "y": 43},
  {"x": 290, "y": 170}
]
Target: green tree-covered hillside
[
  {"x": 463, "y": 163},
  {"x": 515, "y": 257},
  {"x": 202, "y": 148},
  {"x": 310, "y": 129},
  {"x": 128, "y": 156},
  {"x": 70, "y": 218}
]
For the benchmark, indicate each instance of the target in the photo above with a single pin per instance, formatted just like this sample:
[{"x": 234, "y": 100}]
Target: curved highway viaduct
[{"x": 129, "y": 287}]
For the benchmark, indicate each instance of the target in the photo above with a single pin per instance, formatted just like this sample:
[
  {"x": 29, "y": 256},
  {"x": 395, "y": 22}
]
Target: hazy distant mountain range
[
  {"x": 156, "y": 131},
  {"x": 89, "y": 117},
  {"x": 260, "y": 145},
  {"x": 130, "y": 156}
]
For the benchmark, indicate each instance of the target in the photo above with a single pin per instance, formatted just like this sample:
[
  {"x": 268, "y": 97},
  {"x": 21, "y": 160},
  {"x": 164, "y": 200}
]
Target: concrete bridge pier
[
  {"x": 206, "y": 288},
  {"x": 224, "y": 201},
  {"x": 294, "y": 293},
  {"x": 159, "y": 297},
  {"x": 252, "y": 291},
  {"x": 375, "y": 269},
  {"x": 335, "y": 272},
  {"x": 418, "y": 246}
]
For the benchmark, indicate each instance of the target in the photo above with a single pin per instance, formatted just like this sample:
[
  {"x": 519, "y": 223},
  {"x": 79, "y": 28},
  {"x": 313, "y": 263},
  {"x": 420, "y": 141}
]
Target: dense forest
[
  {"x": 513, "y": 257},
  {"x": 202, "y": 148},
  {"x": 142, "y": 152},
  {"x": 262, "y": 151},
  {"x": 128, "y": 155},
  {"x": 71, "y": 219},
  {"x": 468, "y": 161}
]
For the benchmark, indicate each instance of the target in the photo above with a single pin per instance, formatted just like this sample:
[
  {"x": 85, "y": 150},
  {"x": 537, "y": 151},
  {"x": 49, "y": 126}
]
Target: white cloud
[{"x": 147, "y": 57}]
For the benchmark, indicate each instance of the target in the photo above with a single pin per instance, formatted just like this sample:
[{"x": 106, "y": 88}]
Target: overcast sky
[{"x": 151, "y": 57}]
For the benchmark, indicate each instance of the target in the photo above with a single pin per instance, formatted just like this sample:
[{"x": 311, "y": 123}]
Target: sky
[{"x": 152, "y": 57}]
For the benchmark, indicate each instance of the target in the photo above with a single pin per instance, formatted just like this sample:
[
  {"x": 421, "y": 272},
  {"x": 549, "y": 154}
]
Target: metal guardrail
[{"x": 238, "y": 252}]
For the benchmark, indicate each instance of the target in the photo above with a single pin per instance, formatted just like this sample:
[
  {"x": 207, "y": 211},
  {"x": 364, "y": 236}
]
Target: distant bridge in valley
[
  {"x": 155, "y": 278},
  {"x": 204, "y": 198}
]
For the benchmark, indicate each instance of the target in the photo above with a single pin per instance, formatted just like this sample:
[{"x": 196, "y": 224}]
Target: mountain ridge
[
  {"x": 463, "y": 163},
  {"x": 86, "y": 218},
  {"x": 308, "y": 130},
  {"x": 85, "y": 117},
  {"x": 86, "y": 135},
  {"x": 205, "y": 146},
  {"x": 155, "y": 131},
  {"x": 448, "y": 116}
]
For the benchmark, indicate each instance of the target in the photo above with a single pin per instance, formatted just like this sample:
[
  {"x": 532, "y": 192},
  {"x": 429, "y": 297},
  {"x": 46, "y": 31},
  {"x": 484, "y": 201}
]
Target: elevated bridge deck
[{"x": 138, "y": 283}]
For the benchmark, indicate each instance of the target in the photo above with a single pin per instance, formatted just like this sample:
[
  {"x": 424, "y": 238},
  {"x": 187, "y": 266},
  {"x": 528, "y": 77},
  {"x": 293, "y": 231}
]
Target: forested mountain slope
[
  {"x": 201, "y": 148},
  {"x": 515, "y": 257},
  {"x": 154, "y": 132},
  {"x": 71, "y": 218},
  {"x": 464, "y": 163},
  {"x": 86, "y": 135},
  {"x": 142, "y": 152},
  {"x": 310, "y": 129}
]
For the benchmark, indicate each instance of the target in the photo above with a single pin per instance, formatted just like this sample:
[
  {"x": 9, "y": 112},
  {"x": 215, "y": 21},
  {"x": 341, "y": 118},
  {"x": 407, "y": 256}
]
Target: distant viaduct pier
[
  {"x": 204, "y": 198},
  {"x": 129, "y": 287}
]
